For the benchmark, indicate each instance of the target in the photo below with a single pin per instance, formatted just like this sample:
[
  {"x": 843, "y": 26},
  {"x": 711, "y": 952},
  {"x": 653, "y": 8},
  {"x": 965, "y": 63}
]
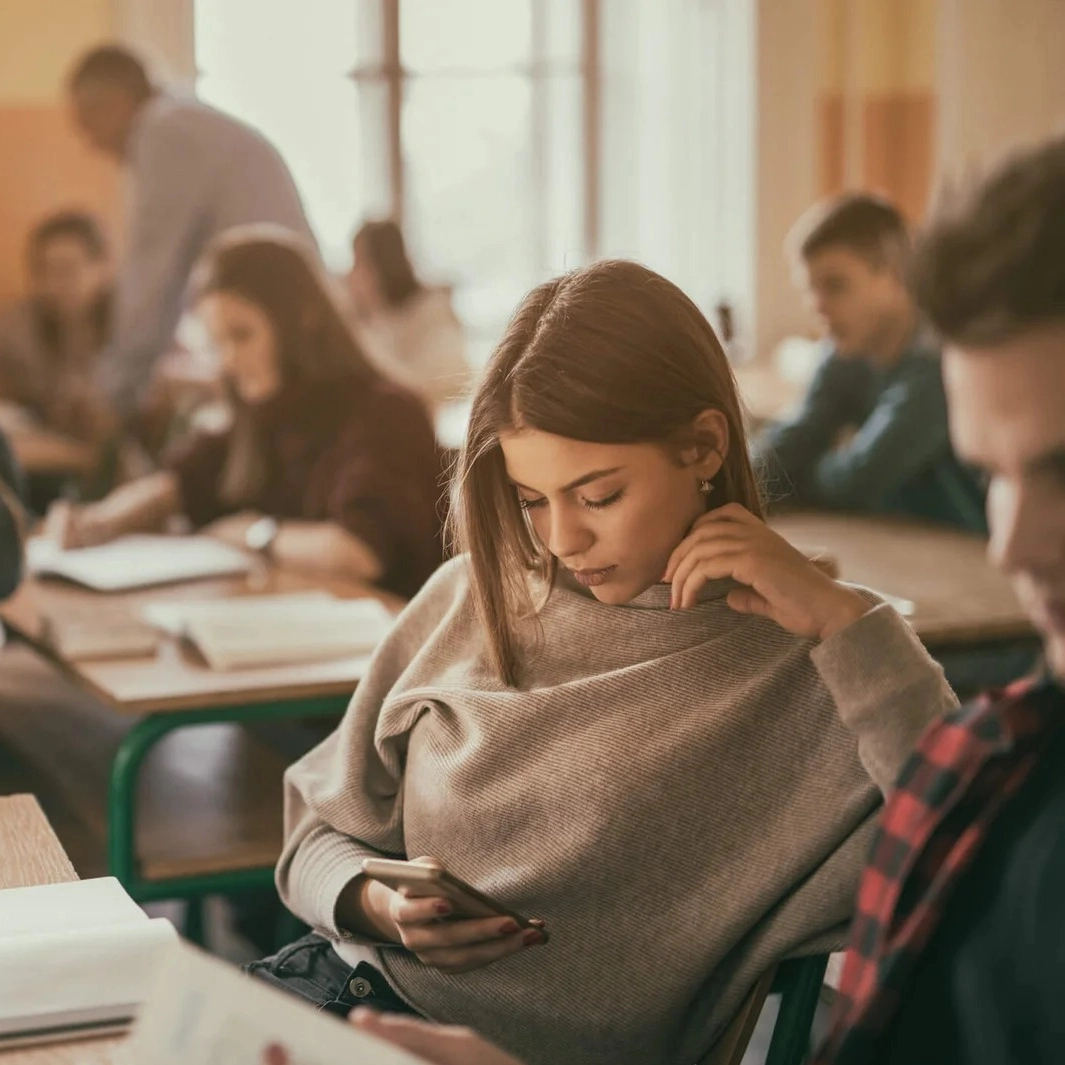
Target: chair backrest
[{"x": 798, "y": 982}]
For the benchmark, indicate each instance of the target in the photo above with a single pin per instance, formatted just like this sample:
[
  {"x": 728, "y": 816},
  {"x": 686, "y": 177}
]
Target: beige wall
[
  {"x": 1001, "y": 77},
  {"x": 45, "y": 167}
]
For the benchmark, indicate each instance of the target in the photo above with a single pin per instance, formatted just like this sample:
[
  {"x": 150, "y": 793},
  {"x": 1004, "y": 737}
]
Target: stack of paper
[
  {"x": 253, "y": 631},
  {"x": 137, "y": 561},
  {"x": 74, "y": 958}
]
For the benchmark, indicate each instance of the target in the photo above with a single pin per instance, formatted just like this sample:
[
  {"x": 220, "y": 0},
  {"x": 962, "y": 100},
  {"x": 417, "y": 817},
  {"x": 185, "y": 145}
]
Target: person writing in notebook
[
  {"x": 871, "y": 434},
  {"x": 626, "y": 659},
  {"x": 327, "y": 465}
]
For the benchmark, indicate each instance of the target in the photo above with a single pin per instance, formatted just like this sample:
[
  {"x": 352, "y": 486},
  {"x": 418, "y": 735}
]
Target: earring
[{"x": 706, "y": 486}]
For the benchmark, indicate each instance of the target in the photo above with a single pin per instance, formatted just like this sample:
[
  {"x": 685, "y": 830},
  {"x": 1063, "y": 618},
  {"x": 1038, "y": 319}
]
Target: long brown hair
[
  {"x": 273, "y": 269},
  {"x": 613, "y": 353}
]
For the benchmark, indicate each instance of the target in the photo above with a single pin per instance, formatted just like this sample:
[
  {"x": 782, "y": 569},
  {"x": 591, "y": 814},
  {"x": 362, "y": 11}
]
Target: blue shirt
[{"x": 899, "y": 460}]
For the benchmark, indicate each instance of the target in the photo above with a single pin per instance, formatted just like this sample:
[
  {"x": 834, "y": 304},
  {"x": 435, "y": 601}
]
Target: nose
[
  {"x": 568, "y": 535},
  {"x": 1024, "y": 536}
]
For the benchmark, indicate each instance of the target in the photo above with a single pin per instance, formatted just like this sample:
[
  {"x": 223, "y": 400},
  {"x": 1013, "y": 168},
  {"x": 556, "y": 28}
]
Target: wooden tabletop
[
  {"x": 957, "y": 596},
  {"x": 30, "y": 854},
  {"x": 176, "y": 677}
]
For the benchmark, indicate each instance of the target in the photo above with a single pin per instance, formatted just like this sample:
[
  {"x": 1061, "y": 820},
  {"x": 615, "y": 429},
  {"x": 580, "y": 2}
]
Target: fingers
[
  {"x": 421, "y": 935},
  {"x": 464, "y": 959},
  {"x": 748, "y": 601},
  {"x": 695, "y": 572},
  {"x": 720, "y": 535}
]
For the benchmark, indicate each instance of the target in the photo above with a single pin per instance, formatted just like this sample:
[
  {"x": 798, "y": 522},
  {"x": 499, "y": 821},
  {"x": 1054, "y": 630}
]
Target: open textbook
[
  {"x": 74, "y": 958},
  {"x": 249, "y": 632},
  {"x": 139, "y": 561},
  {"x": 201, "y": 1011}
]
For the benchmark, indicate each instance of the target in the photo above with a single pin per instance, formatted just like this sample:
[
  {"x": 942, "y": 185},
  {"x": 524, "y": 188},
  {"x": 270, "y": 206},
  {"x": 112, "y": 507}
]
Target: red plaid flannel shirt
[{"x": 965, "y": 769}]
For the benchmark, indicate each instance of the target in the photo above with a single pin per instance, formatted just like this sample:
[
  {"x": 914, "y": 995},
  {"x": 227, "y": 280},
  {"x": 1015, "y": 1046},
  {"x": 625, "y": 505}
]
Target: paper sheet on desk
[
  {"x": 202, "y": 1011},
  {"x": 137, "y": 561}
]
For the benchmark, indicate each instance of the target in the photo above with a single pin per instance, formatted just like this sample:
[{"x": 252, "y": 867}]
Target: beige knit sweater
[{"x": 680, "y": 795}]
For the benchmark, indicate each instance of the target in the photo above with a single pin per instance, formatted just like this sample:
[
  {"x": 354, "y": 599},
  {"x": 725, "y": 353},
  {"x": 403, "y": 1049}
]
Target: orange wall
[
  {"x": 876, "y": 99},
  {"x": 44, "y": 165}
]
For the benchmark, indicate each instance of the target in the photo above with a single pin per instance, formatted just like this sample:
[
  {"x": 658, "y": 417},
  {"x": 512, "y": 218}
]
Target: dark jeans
[{"x": 311, "y": 969}]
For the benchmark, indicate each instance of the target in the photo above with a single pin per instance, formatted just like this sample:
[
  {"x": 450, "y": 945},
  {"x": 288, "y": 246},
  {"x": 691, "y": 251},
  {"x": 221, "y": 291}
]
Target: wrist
[{"x": 847, "y": 609}]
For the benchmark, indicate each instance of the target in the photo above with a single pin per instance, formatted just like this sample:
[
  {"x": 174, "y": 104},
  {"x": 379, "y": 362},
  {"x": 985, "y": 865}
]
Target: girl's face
[
  {"x": 610, "y": 513},
  {"x": 247, "y": 347},
  {"x": 67, "y": 275}
]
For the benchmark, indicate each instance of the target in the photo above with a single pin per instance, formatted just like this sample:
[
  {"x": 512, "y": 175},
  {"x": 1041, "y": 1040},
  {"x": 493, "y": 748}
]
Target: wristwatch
[{"x": 261, "y": 535}]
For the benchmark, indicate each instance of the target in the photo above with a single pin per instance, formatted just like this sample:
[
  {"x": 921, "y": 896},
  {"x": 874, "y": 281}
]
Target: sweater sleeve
[
  {"x": 886, "y": 687},
  {"x": 198, "y": 469},
  {"x": 343, "y": 800}
]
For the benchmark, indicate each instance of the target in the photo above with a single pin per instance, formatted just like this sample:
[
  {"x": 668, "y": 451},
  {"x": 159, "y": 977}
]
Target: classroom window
[{"x": 475, "y": 122}]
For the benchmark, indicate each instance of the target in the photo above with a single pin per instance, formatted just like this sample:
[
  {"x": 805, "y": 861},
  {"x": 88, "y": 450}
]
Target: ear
[{"x": 709, "y": 444}]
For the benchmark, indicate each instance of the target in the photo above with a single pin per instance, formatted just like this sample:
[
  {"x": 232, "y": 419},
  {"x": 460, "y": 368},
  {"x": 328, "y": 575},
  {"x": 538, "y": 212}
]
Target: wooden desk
[
  {"x": 172, "y": 690},
  {"x": 30, "y": 854},
  {"x": 958, "y": 597},
  {"x": 177, "y": 678}
]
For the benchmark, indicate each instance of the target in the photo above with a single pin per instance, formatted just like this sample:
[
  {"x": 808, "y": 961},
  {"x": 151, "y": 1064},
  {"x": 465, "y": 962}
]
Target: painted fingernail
[
  {"x": 532, "y": 937},
  {"x": 508, "y": 928},
  {"x": 442, "y": 908}
]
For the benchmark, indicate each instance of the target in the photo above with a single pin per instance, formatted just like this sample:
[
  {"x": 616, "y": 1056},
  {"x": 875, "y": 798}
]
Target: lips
[{"x": 592, "y": 577}]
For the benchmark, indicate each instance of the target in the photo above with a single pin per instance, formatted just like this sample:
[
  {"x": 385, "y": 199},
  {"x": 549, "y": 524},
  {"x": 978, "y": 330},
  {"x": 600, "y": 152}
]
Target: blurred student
[
  {"x": 194, "y": 172},
  {"x": 13, "y": 520},
  {"x": 51, "y": 340},
  {"x": 328, "y": 466},
  {"x": 872, "y": 432},
  {"x": 627, "y": 661},
  {"x": 411, "y": 328}
]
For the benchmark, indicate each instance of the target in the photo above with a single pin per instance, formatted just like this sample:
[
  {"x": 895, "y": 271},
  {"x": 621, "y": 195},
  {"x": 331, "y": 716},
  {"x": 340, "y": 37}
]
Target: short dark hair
[
  {"x": 80, "y": 225},
  {"x": 867, "y": 225},
  {"x": 112, "y": 64},
  {"x": 992, "y": 263}
]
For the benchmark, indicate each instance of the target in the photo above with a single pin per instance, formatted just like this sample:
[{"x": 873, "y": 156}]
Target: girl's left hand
[{"x": 779, "y": 581}]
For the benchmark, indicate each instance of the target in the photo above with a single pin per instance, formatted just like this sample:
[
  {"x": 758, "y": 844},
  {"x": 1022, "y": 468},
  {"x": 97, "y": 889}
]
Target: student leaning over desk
[
  {"x": 632, "y": 710},
  {"x": 327, "y": 465}
]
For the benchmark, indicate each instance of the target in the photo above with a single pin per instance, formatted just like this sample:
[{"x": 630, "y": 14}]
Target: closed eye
[
  {"x": 600, "y": 504},
  {"x": 531, "y": 504}
]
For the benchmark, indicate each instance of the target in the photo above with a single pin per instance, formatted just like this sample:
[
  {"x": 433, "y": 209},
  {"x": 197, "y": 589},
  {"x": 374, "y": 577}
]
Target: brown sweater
[
  {"x": 685, "y": 797},
  {"x": 360, "y": 453}
]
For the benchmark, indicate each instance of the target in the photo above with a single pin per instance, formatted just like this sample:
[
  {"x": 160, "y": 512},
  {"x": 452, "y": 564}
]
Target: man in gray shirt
[{"x": 193, "y": 173}]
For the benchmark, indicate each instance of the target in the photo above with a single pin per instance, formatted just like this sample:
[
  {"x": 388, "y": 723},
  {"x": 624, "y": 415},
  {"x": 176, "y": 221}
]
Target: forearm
[
  {"x": 886, "y": 687},
  {"x": 144, "y": 505},
  {"x": 324, "y": 547}
]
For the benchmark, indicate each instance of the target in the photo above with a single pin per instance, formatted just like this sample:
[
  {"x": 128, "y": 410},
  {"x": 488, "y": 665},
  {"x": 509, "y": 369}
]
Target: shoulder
[
  {"x": 444, "y": 604},
  {"x": 173, "y": 123}
]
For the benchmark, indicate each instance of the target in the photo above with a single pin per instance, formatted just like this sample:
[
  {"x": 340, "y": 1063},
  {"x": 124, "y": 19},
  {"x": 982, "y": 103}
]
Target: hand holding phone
[{"x": 441, "y": 919}]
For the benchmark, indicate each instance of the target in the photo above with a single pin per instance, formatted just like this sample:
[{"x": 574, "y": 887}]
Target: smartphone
[{"x": 429, "y": 881}]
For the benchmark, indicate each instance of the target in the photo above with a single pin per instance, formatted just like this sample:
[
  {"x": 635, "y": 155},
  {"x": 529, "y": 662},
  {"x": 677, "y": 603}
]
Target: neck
[{"x": 890, "y": 343}]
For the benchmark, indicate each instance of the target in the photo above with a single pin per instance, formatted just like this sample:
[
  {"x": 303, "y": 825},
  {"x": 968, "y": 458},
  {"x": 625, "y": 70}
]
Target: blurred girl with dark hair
[{"x": 327, "y": 464}]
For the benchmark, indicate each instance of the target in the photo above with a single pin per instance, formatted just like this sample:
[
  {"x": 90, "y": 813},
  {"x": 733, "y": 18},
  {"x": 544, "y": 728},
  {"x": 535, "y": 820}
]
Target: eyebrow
[{"x": 595, "y": 475}]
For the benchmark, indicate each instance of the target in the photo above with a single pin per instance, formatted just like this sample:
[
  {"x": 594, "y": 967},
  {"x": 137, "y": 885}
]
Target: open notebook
[
  {"x": 137, "y": 561},
  {"x": 74, "y": 958},
  {"x": 248, "y": 632},
  {"x": 201, "y": 1011}
]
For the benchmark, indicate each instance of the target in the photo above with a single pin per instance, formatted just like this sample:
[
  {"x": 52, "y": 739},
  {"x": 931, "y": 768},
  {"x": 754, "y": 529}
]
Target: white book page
[
  {"x": 137, "y": 561},
  {"x": 172, "y": 616},
  {"x": 242, "y": 633},
  {"x": 204, "y": 1012},
  {"x": 71, "y": 907},
  {"x": 66, "y": 978}
]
